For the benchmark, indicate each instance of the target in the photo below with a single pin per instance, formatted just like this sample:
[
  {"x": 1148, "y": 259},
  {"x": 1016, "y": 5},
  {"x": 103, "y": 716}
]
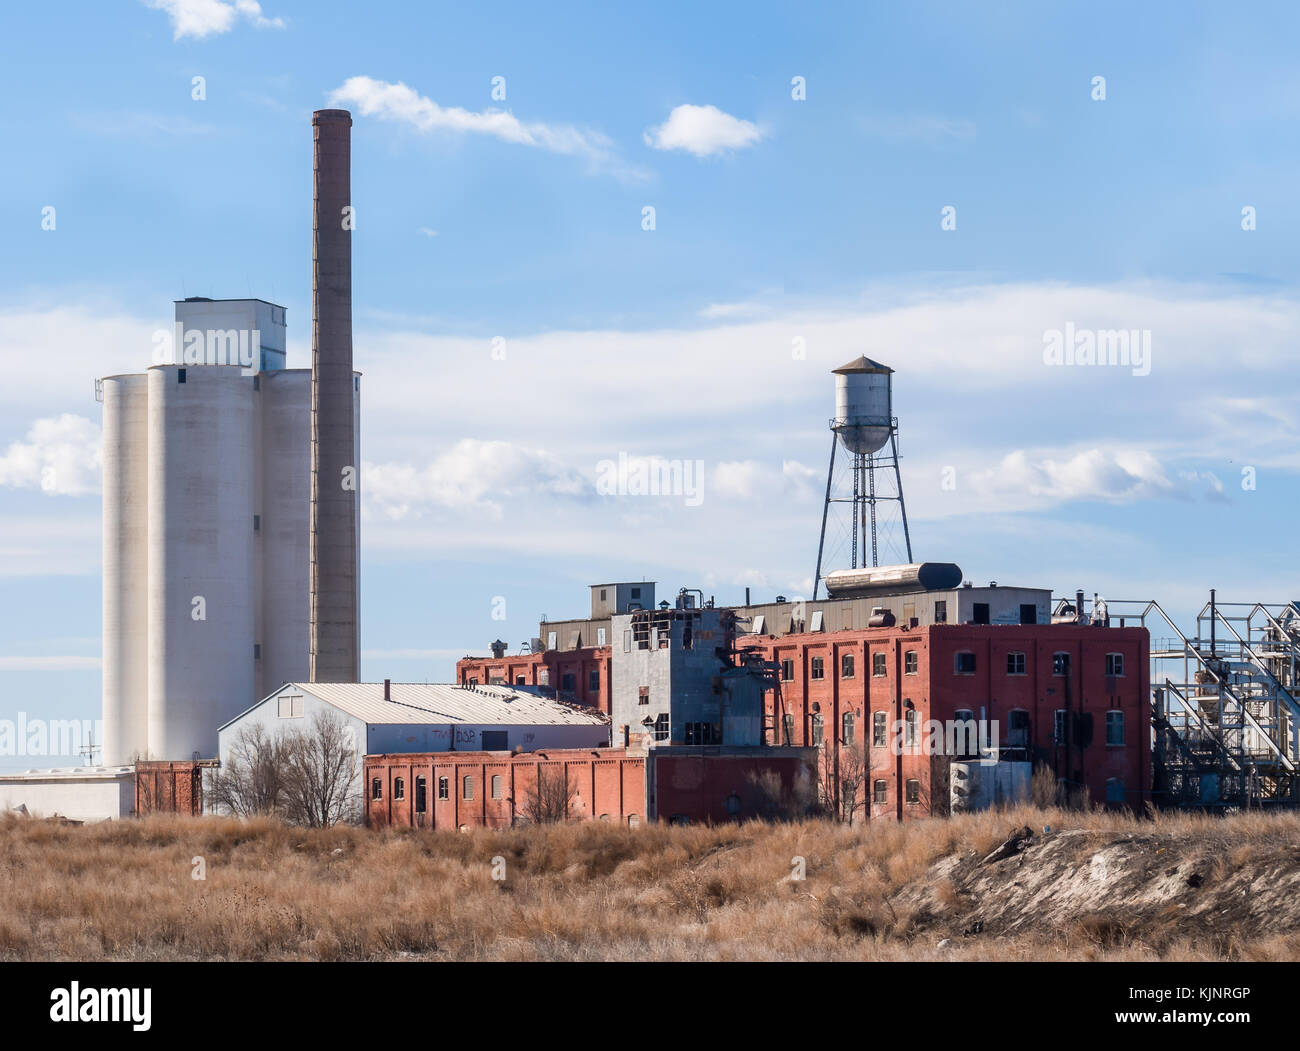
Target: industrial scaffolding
[{"x": 1225, "y": 717}]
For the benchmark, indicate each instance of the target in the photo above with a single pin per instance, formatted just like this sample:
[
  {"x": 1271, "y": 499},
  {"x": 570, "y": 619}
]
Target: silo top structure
[
  {"x": 334, "y": 507},
  {"x": 863, "y": 405}
]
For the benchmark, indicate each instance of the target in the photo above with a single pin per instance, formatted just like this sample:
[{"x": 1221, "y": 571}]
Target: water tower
[{"x": 864, "y": 470}]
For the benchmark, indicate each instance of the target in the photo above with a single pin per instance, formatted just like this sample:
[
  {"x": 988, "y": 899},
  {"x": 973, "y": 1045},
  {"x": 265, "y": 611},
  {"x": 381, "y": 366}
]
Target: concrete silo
[
  {"x": 203, "y": 488},
  {"x": 126, "y": 566}
]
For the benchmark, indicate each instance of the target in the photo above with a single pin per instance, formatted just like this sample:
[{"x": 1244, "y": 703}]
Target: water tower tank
[{"x": 863, "y": 405}]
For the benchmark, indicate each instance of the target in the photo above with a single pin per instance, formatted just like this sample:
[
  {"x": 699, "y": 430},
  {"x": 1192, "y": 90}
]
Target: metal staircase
[{"x": 1224, "y": 707}]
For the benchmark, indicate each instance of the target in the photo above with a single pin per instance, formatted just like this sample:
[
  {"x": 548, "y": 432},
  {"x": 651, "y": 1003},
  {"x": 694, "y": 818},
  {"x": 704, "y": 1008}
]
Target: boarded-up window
[
  {"x": 496, "y": 786},
  {"x": 468, "y": 792}
]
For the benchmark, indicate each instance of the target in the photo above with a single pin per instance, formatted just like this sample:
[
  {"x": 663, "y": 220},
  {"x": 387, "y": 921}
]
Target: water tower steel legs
[{"x": 864, "y": 524}]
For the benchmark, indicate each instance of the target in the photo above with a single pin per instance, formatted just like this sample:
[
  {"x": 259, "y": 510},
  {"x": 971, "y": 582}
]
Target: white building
[
  {"x": 77, "y": 793},
  {"x": 207, "y": 472},
  {"x": 419, "y": 717}
]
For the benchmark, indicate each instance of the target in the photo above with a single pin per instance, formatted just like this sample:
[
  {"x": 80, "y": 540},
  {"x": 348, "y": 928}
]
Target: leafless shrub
[
  {"x": 252, "y": 782},
  {"x": 550, "y": 799},
  {"x": 320, "y": 774}
]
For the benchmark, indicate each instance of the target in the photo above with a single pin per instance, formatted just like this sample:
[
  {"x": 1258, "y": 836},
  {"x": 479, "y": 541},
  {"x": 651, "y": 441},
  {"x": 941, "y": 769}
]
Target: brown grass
[{"x": 591, "y": 891}]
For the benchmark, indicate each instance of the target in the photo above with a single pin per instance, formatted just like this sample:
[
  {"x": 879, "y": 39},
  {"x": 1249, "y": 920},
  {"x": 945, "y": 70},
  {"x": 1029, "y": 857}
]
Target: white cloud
[
  {"x": 427, "y": 231},
  {"x": 404, "y": 105},
  {"x": 753, "y": 480},
  {"x": 61, "y": 456},
  {"x": 703, "y": 131},
  {"x": 200, "y": 18},
  {"x": 471, "y": 475},
  {"x": 931, "y": 130}
]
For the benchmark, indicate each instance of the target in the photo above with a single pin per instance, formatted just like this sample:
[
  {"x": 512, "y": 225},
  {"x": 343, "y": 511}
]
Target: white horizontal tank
[{"x": 863, "y": 405}]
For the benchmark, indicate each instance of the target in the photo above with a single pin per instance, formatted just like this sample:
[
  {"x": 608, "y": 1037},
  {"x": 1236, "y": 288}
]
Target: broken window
[
  {"x": 421, "y": 795},
  {"x": 880, "y": 791},
  {"x": 444, "y": 788},
  {"x": 963, "y": 663},
  {"x": 1114, "y": 664},
  {"x": 818, "y": 730},
  {"x": 1058, "y": 726},
  {"x": 703, "y": 733},
  {"x": 879, "y": 730},
  {"x": 941, "y": 612},
  {"x": 643, "y": 695},
  {"x": 788, "y": 726},
  {"x": 593, "y": 681},
  {"x": 399, "y": 788},
  {"x": 818, "y": 668},
  {"x": 913, "y": 790},
  {"x": 1060, "y": 663},
  {"x": 661, "y": 727},
  {"x": 376, "y": 789},
  {"x": 910, "y": 723},
  {"x": 980, "y": 613},
  {"x": 846, "y": 728},
  {"x": 846, "y": 666},
  {"x": 787, "y": 670},
  {"x": 879, "y": 664},
  {"x": 910, "y": 662},
  {"x": 1015, "y": 663}
]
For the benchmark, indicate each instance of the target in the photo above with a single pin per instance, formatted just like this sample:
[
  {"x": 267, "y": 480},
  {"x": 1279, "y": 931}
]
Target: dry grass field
[{"x": 1097, "y": 886}]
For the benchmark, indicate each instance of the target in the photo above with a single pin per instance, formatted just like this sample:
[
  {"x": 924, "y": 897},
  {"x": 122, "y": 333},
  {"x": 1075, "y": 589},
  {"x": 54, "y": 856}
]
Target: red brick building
[
  {"x": 579, "y": 675},
  {"x": 1074, "y": 697},
  {"x": 493, "y": 789}
]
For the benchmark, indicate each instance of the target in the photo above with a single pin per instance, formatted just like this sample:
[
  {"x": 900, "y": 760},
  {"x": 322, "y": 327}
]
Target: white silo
[
  {"x": 203, "y": 439},
  {"x": 126, "y": 563},
  {"x": 863, "y": 405}
]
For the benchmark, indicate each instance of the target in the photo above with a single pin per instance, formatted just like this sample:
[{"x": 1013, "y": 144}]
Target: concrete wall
[
  {"x": 85, "y": 796},
  {"x": 247, "y": 315}
]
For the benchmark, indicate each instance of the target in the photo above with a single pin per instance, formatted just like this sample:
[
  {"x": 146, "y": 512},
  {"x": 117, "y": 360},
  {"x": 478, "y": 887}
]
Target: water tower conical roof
[{"x": 862, "y": 364}]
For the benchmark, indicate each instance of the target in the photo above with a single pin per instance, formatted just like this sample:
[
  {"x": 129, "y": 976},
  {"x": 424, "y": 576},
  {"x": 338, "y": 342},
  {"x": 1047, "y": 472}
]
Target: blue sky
[{"x": 777, "y": 222}]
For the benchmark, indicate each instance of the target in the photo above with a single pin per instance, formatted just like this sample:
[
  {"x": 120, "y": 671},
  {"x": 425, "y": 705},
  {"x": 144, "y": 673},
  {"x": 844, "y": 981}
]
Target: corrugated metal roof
[{"x": 415, "y": 702}]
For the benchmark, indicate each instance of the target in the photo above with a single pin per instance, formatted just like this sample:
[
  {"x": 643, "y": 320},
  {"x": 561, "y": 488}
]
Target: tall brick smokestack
[{"x": 334, "y": 482}]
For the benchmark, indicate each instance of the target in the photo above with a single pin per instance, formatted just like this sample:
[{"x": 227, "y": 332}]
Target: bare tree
[
  {"x": 252, "y": 781},
  {"x": 551, "y": 798},
  {"x": 320, "y": 773},
  {"x": 843, "y": 777}
]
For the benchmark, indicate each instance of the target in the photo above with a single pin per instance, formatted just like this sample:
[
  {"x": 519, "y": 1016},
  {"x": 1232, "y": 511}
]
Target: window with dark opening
[
  {"x": 846, "y": 666},
  {"x": 1114, "y": 664},
  {"x": 1015, "y": 663},
  {"x": 399, "y": 788},
  {"x": 421, "y": 795},
  {"x": 661, "y": 730},
  {"x": 913, "y": 790},
  {"x": 787, "y": 670},
  {"x": 910, "y": 662},
  {"x": 643, "y": 695},
  {"x": 941, "y": 612},
  {"x": 1060, "y": 664},
  {"x": 964, "y": 663},
  {"x": 376, "y": 788},
  {"x": 880, "y": 792},
  {"x": 980, "y": 613},
  {"x": 879, "y": 664},
  {"x": 444, "y": 788},
  {"x": 818, "y": 668}
]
